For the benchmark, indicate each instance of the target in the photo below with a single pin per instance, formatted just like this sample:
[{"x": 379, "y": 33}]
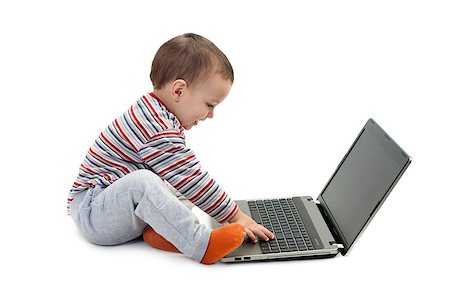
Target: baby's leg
[
  {"x": 121, "y": 212},
  {"x": 168, "y": 217},
  {"x": 173, "y": 223}
]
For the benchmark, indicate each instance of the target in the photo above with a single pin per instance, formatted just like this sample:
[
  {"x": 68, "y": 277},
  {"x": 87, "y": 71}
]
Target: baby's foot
[
  {"x": 154, "y": 239},
  {"x": 222, "y": 241}
]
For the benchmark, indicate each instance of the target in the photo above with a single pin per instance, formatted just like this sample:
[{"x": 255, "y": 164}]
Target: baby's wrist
[{"x": 235, "y": 217}]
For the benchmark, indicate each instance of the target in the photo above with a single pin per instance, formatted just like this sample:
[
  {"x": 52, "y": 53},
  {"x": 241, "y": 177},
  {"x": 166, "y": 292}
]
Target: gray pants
[{"x": 121, "y": 212}]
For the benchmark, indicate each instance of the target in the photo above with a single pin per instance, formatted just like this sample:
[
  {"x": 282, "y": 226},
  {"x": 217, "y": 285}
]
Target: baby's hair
[{"x": 190, "y": 57}]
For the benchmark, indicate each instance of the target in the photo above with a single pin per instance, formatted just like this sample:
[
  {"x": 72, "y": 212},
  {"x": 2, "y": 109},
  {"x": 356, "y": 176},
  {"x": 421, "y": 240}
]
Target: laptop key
[
  {"x": 279, "y": 235},
  {"x": 264, "y": 244},
  {"x": 275, "y": 250},
  {"x": 265, "y": 249},
  {"x": 302, "y": 247}
]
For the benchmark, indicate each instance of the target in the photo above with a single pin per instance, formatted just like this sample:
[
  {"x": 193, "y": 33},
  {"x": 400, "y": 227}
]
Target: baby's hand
[{"x": 251, "y": 227}]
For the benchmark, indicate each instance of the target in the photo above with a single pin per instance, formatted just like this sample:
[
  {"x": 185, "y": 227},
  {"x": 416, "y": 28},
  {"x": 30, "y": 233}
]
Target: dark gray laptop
[{"x": 307, "y": 228}]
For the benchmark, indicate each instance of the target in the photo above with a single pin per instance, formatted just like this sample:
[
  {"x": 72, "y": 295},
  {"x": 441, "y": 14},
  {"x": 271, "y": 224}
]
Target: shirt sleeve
[{"x": 166, "y": 154}]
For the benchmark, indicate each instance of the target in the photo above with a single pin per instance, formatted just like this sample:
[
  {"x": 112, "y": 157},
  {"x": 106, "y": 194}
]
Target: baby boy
[{"x": 120, "y": 191}]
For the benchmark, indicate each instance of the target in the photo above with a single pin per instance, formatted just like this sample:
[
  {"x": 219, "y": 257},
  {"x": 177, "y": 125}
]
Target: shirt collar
[{"x": 152, "y": 94}]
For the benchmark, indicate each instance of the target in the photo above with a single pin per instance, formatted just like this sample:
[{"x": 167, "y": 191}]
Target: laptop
[{"x": 305, "y": 228}]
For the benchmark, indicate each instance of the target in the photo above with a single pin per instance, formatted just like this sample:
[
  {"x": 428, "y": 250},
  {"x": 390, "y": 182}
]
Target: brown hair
[{"x": 190, "y": 57}]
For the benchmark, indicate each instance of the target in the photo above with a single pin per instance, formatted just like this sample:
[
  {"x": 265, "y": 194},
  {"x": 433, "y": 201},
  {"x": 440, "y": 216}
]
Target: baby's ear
[{"x": 178, "y": 88}]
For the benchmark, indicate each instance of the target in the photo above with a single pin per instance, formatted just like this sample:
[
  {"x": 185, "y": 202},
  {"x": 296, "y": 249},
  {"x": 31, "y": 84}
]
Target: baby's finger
[
  {"x": 250, "y": 234},
  {"x": 259, "y": 230},
  {"x": 267, "y": 232}
]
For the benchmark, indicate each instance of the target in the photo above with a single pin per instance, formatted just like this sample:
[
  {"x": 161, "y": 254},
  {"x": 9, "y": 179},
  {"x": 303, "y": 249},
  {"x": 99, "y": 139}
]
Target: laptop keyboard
[{"x": 281, "y": 217}]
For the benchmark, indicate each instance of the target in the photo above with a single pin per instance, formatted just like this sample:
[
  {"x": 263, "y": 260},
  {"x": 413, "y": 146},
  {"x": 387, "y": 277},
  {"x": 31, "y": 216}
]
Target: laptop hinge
[
  {"x": 333, "y": 231},
  {"x": 340, "y": 246}
]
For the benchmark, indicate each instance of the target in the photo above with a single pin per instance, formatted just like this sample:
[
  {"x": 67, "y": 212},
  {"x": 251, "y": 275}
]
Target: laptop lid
[{"x": 361, "y": 183}]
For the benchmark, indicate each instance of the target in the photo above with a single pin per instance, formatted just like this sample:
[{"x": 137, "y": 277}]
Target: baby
[{"x": 120, "y": 192}]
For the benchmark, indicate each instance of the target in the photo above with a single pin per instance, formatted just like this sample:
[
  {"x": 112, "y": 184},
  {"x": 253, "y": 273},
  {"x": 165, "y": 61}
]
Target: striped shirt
[{"x": 148, "y": 136}]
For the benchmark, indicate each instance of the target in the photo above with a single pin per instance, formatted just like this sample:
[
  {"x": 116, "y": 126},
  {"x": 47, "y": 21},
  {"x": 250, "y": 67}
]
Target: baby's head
[{"x": 191, "y": 76}]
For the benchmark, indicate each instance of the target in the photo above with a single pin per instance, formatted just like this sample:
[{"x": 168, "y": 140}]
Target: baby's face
[{"x": 198, "y": 101}]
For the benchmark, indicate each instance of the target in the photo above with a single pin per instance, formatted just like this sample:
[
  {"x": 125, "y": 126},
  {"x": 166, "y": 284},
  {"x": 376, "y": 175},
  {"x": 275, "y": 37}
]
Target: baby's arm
[{"x": 167, "y": 156}]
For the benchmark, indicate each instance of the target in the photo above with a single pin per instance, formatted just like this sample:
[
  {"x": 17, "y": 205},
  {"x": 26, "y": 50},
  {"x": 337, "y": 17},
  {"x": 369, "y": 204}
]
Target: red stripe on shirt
[
  {"x": 124, "y": 135},
  {"x": 159, "y": 152},
  {"x": 109, "y": 162},
  {"x": 187, "y": 178},
  {"x": 108, "y": 177},
  {"x": 159, "y": 100},
  {"x": 230, "y": 215},
  {"x": 216, "y": 203},
  {"x": 115, "y": 148},
  {"x": 139, "y": 124},
  {"x": 154, "y": 112},
  {"x": 164, "y": 171},
  {"x": 164, "y": 134},
  {"x": 88, "y": 170},
  {"x": 154, "y": 154},
  {"x": 202, "y": 190}
]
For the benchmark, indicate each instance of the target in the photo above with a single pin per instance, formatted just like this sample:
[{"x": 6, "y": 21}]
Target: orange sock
[
  {"x": 154, "y": 239},
  {"x": 222, "y": 241}
]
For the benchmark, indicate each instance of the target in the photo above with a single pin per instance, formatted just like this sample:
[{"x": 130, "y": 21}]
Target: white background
[{"x": 307, "y": 77}]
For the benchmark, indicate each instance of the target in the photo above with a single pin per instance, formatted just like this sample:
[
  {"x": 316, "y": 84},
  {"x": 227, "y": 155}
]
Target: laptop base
[{"x": 243, "y": 259}]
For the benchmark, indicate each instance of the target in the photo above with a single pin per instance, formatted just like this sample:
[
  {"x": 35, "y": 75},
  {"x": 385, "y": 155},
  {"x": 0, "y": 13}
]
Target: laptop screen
[{"x": 362, "y": 181}]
